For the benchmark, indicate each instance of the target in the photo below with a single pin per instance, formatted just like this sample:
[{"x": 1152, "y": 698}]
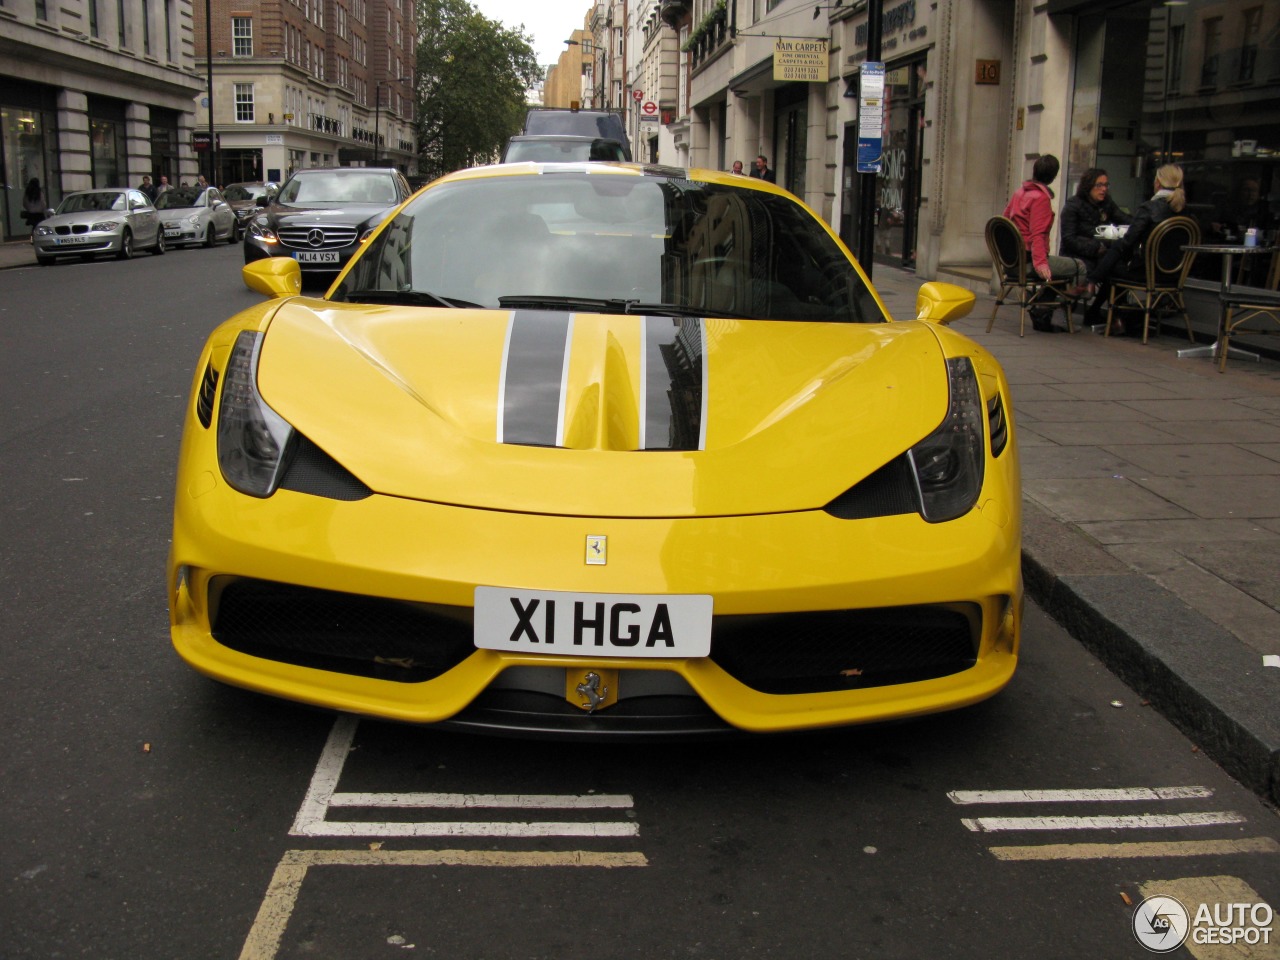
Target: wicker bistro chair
[
  {"x": 1166, "y": 266},
  {"x": 1244, "y": 305},
  {"x": 1015, "y": 276}
]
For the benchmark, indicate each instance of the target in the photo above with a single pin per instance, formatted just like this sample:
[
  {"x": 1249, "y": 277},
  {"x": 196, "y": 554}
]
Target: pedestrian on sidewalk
[
  {"x": 34, "y": 204},
  {"x": 1031, "y": 210},
  {"x": 1089, "y": 208},
  {"x": 1125, "y": 260}
]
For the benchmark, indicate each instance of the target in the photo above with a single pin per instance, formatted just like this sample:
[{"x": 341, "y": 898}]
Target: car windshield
[
  {"x": 176, "y": 197},
  {"x": 243, "y": 191},
  {"x": 96, "y": 200},
  {"x": 612, "y": 243},
  {"x": 562, "y": 151},
  {"x": 339, "y": 187}
]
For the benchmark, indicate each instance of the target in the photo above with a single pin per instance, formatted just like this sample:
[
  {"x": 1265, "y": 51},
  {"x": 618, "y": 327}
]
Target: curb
[{"x": 1196, "y": 674}]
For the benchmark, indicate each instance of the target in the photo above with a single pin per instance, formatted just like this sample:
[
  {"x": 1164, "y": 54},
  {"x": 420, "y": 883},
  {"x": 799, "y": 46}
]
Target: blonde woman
[{"x": 1169, "y": 201}]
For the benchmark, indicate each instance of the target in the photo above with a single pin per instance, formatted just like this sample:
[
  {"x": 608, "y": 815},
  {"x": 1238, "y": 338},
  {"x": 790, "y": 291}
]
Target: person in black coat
[
  {"x": 1087, "y": 209},
  {"x": 1124, "y": 260}
]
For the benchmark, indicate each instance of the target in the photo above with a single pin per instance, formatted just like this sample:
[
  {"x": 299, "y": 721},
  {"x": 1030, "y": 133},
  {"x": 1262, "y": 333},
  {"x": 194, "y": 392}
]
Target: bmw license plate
[
  {"x": 317, "y": 256},
  {"x": 593, "y": 624},
  {"x": 68, "y": 241}
]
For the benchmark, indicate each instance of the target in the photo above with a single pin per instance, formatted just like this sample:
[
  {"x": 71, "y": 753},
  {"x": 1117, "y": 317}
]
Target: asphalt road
[{"x": 149, "y": 813}]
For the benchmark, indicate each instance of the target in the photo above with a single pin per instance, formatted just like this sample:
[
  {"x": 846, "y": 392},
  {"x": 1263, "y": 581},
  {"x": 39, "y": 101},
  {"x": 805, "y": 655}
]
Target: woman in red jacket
[{"x": 1031, "y": 210}]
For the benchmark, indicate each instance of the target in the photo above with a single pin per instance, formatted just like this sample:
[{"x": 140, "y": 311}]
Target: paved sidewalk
[{"x": 1151, "y": 521}]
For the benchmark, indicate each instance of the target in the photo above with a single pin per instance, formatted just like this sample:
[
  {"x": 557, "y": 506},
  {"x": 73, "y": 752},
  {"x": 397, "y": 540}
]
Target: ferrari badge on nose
[{"x": 596, "y": 553}]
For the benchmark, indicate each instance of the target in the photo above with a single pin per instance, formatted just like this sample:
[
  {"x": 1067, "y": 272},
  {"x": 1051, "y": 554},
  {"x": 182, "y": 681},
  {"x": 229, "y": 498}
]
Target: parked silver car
[
  {"x": 192, "y": 215},
  {"x": 112, "y": 220}
]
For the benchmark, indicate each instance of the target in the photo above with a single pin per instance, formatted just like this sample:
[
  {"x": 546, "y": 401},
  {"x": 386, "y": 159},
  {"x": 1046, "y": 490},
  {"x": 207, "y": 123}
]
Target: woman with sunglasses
[{"x": 1089, "y": 208}]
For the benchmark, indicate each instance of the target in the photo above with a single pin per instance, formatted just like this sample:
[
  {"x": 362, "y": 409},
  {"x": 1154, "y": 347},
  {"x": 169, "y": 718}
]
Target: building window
[
  {"x": 1249, "y": 48},
  {"x": 120, "y": 22},
  {"x": 1177, "y": 37},
  {"x": 93, "y": 18},
  {"x": 244, "y": 103},
  {"x": 242, "y": 36},
  {"x": 146, "y": 27},
  {"x": 42, "y": 10},
  {"x": 1212, "y": 52}
]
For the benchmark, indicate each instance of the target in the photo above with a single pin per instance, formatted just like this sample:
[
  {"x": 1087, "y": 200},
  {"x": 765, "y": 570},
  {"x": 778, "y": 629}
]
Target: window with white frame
[
  {"x": 340, "y": 16},
  {"x": 244, "y": 103},
  {"x": 319, "y": 58},
  {"x": 242, "y": 36}
]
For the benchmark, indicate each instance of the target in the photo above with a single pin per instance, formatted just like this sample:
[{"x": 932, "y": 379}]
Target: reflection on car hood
[
  {"x": 349, "y": 214},
  {"x": 450, "y": 405},
  {"x": 83, "y": 216}
]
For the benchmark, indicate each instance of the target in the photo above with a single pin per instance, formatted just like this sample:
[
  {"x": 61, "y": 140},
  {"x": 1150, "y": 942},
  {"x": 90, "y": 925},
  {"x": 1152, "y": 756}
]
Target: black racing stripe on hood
[
  {"x": 674, "y": 384},
  {"x": 531, "y": 397}
]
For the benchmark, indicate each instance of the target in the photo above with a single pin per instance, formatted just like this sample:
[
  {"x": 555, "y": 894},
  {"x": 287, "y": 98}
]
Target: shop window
[
  {"x": 244, "y": 103},
  {"x": 242, "y": 36}
]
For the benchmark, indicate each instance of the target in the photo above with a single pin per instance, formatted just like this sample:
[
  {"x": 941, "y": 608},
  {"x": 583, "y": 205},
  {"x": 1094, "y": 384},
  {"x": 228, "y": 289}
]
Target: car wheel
[
  {"x": 126, "y": 246},
  {"x": 210, "y": 235},
  {"x": 159, "y": 248},
  {"x": 234, "y": 235}
]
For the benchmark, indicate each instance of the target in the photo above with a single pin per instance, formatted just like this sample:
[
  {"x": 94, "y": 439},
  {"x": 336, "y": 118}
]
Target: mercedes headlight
[
  {"x": 262, "y": 232},
  {"x": 948, "y": 464},
  {"x": 253, "y": 440}
]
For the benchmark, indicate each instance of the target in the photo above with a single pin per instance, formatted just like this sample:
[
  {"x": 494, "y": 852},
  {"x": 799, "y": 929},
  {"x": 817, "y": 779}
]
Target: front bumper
[
  {"x": 430, "y": 557},
  {"x": 334, "y": 259},
  {"x": 77, "y": 244}
]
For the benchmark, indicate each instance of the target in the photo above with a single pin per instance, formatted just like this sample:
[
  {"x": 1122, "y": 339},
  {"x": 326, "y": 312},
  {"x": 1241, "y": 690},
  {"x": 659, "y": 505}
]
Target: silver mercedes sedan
[{"x": 114, "y": 220}]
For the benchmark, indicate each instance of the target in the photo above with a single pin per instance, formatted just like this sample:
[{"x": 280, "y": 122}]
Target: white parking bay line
[
  {"x": 1149, "y": 821},
  {"x": 277, "y": 907},
  {"x": 1137, "y": 851},
  {"x": 312, "y": 819},
  {"x": 1102, "y": 795}
]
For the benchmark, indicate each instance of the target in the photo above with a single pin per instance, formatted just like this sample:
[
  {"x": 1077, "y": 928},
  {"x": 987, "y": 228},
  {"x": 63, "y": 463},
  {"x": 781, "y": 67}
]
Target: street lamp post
[
  {"x": 208, "y": 59},
  {"x": 377, "y": 113}
]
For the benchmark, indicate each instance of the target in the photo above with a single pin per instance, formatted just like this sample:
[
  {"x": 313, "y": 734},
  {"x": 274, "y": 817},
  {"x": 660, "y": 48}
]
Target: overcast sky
[{"x": 549, "y": 22}]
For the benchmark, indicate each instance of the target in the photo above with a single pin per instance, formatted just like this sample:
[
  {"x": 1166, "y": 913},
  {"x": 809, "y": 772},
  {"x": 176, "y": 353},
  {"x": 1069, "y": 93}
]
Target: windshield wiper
[
  {"x": 408, "y": 298},
  {"x": 611, "y": 305}
]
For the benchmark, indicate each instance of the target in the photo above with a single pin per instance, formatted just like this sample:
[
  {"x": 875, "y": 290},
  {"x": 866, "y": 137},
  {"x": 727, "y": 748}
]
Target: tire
[
  {"x": 126, "y": 246},
  {"x": 210, "y": 235},
  {"x": 159, "y": 248},
  {"x": 234, "y": 235}
]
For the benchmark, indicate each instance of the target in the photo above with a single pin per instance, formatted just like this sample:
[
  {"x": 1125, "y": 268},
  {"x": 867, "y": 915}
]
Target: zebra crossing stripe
[
  {"x": 1145, "y": 821},
  {"x": 1137, "y": 851},
  {"x": 1105, "y": 794}
]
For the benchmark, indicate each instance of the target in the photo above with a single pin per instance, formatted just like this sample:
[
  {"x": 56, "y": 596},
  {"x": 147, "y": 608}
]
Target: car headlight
[
  {"x": 261, "y": 231},
  {"x": 105, "y": 225},
  {"x": 44, "y": 231},
  {"x": 194, "y": 219},
  {"x": 948, "y": 464},
  {"x": 253, "y": 440}
]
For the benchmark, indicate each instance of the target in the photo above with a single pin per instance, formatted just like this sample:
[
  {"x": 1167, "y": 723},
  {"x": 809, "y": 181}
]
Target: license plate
[
  {"x": 593, "y": 624},
  {"x": 173, "y": 233},
  {"x": 317, "y": 256},
  {"x": 67, "y": 241}
]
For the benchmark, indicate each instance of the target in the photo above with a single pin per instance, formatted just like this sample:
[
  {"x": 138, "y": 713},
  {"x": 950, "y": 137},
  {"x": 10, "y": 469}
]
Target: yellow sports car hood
[{"x": 601, "y": 415}]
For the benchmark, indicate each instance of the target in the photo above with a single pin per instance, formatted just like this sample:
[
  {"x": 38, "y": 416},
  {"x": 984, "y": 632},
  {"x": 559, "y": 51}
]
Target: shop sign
[
  {"x": 200, "y": 140},
  {"x": 275, "y": 138},
  {"x": 800, "y": 59},
  {"x": 895, "y": 20}
]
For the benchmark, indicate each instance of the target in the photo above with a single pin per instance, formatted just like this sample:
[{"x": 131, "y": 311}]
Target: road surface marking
[
  {"x": 1125, "y": 851},
  {"x": 1191, "y": 892},
  {"x": 1078, "y": 796},
  {"x": 281, "y": 898},
  {"x": 1147, "y": 821},
  {"x": 322, "y": 794}
]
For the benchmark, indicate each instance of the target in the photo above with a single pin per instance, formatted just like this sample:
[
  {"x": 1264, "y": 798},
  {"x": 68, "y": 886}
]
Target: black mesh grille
[
  {"x": 313, "y": 471},
  {"x": 824, "y": 651},
  {"x": 889, "y": 491},
  {"x": 204, "y": 399},
  {"x": 341, "y": 632}
]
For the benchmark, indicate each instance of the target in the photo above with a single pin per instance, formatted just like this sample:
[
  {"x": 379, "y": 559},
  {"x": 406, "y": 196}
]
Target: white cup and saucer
[{"x": 1110, "y": 231}]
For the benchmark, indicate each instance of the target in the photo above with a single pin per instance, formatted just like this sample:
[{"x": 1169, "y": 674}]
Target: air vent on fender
[
  {"x": 204, "y": 399},
  {"x": 999, "y": 425},
  {"x": 887, "y": 492}
]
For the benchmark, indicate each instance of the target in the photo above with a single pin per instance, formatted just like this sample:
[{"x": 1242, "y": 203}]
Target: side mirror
[
  {"x": 943, "y": 303},
  {"x": 274, "y": 276},
  {"x": 48, "y": 212}
]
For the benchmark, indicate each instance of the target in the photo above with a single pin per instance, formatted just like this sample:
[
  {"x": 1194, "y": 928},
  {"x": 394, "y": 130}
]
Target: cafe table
[{"x": 1228, "y": 252}]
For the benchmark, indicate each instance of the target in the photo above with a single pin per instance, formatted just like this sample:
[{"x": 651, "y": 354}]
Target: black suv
[
  {"x": 322, "y": 215},
  {"x": 607, "y": 124}
]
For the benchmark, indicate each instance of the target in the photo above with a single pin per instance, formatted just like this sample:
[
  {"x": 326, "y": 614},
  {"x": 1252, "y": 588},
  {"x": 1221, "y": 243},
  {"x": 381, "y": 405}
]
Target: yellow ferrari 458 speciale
[{"x": 593, "y": 449}]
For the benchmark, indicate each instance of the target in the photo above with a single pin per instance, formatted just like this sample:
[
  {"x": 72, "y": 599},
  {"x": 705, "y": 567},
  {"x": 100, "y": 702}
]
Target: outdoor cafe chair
[
  {"x": 1242, "y": 306},
  {"x": 1015, "y": 276},
  {"x": 1166, "y": 266}
]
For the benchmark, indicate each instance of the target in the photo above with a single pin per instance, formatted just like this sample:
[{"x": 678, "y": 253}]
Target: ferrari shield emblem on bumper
[{"x": 597, "y": 553}]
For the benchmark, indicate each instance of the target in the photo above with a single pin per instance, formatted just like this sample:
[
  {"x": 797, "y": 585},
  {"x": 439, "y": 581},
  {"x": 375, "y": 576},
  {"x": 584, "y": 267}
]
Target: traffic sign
[
  {"x": 650, "y": 107},
  {"x": 637, "y": 95}
]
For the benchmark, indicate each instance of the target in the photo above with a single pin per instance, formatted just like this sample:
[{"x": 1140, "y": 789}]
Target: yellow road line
[{"x": 1119, "y": 851}]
